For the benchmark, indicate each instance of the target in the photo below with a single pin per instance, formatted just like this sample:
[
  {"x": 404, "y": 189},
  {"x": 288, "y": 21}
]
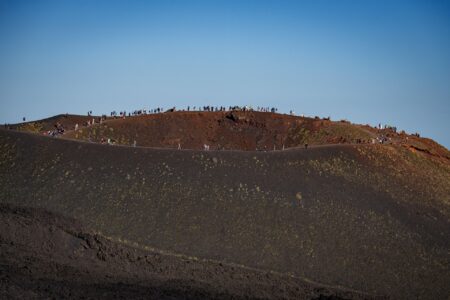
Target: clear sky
[{"x": 366, "y": 61}]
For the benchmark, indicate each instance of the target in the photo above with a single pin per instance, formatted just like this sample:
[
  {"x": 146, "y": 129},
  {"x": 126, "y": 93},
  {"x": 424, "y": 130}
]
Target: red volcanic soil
[
  {"x": 234, "y": 130},
  {"x": 238, "y": 130},
  {"x": 47, "y": 256},
  {"x": 228, "y": 130}
]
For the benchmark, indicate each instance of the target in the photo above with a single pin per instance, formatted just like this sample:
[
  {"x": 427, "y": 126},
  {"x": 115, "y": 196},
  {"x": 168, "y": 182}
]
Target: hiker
[
  {"x": 76, "y": 127},
  {"x": 179, "y": 146},
  {"x": 23, "y": 119},
  {"x": 306, "y": 145},
  {"x": 134, "y": 144},
  {"x": 59, "y": 128}
]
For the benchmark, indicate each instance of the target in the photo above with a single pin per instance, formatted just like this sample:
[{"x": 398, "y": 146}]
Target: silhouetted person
[
  {"x": 306, "y": 145},
  {"x": 23, "y": 119}
]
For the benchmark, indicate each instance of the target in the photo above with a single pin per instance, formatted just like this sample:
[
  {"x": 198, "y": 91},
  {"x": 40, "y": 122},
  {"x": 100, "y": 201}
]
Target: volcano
[{"x": 280, "y": 207}]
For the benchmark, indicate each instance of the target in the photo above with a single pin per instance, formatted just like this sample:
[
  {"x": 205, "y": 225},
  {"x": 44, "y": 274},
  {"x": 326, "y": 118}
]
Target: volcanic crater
[{"x": 260, "y": 215}]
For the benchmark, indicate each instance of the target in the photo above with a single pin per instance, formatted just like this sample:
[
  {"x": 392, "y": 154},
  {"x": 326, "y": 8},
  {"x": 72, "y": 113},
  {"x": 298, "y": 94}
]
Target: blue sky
[{"x": 365, "y": 61}]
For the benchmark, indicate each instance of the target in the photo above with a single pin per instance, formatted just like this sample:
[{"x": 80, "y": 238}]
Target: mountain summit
[{"x": 361, "y": 210}]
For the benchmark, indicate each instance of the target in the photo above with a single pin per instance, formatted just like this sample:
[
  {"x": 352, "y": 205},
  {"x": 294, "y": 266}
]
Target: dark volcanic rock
[
  {"x": 368, "y": 217},
  {"x": 43, "y": 255}
]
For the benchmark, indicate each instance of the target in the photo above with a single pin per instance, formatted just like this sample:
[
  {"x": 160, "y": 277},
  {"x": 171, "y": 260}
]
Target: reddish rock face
[{"x": 230, "y": 130}]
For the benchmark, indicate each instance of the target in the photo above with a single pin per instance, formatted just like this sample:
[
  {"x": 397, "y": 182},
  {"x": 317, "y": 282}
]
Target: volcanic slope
[
  {"x": 373, "y": 218},
  {"x": 41, "y": 126},
  {"x": 44, "y": 255},
  {"x": 230, "y": 130}
]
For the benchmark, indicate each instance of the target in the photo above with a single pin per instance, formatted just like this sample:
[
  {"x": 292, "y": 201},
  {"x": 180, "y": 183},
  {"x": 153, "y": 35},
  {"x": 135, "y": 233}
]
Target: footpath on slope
[
  {"x": 229, "y": 130},
  {"x": 371, "y": 218}
]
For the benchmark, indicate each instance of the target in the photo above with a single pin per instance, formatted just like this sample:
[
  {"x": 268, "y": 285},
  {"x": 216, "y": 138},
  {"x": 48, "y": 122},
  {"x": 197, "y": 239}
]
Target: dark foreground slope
[
  {"x": 369, "y": 218},
  {"x": 43, "y": 255}
]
